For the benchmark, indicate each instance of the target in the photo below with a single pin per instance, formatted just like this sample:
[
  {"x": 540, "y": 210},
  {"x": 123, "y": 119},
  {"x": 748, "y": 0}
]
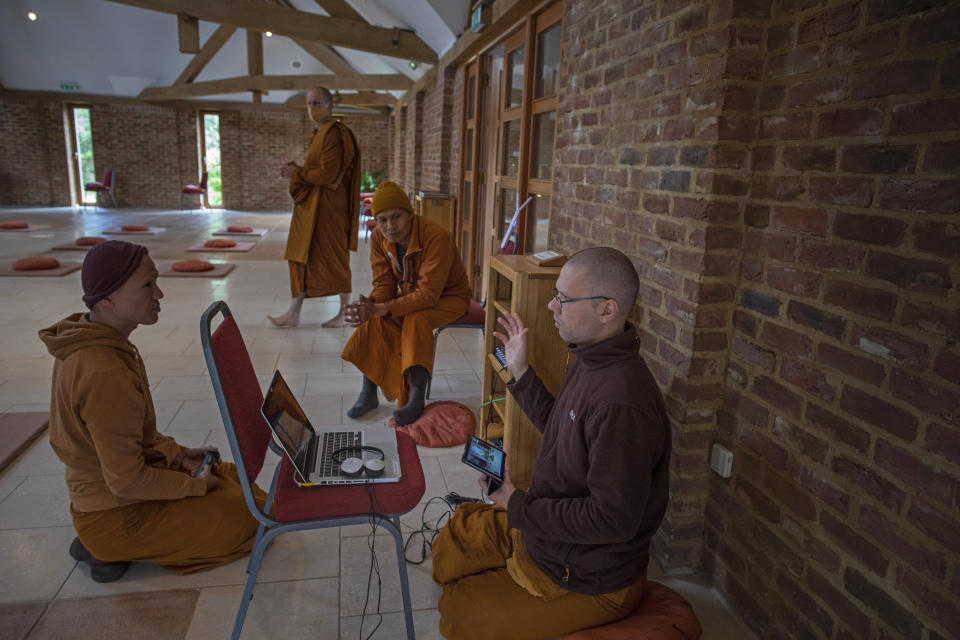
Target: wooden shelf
[{"x": 516, "y": 285}]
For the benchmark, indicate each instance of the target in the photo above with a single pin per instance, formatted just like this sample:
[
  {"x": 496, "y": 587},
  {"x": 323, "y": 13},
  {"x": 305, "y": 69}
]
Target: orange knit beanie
[{"x": 390, "y": 195}]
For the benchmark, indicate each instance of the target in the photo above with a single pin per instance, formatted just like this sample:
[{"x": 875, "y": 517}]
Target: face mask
[{"x": 318, "y": 113}]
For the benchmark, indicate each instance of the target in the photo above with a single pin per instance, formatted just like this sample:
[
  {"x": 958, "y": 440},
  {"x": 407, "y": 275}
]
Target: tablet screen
[{"x": 485, "y": 457}]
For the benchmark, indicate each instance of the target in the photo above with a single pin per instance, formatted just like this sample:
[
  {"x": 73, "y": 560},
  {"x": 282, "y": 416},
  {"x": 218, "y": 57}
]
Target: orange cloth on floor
[
  {"x": 181, "y": 535},
  {"x": 325, "y": 223},
  {"x": 431, "y": 291},
  {"x": 482, "y": 566}
]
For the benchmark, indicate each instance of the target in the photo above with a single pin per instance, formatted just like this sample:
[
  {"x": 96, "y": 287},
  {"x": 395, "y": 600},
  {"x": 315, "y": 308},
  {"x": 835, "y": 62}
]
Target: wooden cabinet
[
  {"x": 516, "y": 285},
  {"x": 438, "y": 207}
]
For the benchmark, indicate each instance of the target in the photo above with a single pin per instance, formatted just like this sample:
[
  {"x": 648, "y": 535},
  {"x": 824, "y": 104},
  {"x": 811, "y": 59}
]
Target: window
[
  {"x": 210, "y": 157},
  {"x": 81, "y": 143}
]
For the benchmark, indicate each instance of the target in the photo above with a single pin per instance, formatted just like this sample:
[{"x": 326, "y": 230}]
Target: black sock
[
  {"x": 366, "y": 401},
  {"x": 418, "y": 393}
]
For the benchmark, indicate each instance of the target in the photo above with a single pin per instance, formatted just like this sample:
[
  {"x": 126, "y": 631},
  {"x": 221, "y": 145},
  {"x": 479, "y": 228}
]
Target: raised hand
[
  {"x": 356, "y": 313},
  {"x": 514, "y": 342}
]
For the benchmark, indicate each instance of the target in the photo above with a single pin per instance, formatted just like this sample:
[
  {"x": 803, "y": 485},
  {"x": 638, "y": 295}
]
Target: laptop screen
[{"x": 288, "y": 420}]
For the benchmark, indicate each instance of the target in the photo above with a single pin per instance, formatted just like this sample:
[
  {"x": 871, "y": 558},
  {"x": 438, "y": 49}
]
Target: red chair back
[
  {"x": 239, "y": 392},
  {"x": 108, "y": 177}
]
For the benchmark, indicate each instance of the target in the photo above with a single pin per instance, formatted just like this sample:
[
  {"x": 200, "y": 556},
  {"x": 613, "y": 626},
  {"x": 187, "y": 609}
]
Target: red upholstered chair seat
[
  {"x": 193, "y": 188},
  {"x": 89, "y": 241},
  {"x": 135, "y": 227},
  {"x": 35, "y": 263},
  {"x": 371, "y": 224},
  {"x": 192, "y": 266},
  {"x": 292, "y": 503},
  {"x": 96, "y": 186},
  {"x": 474, "y": 315},
  {"x": 663, "y": 614},
  {"x": 220, "y": 243},
  {"x": 238, "y": 229},
  {"x": 14, "y": 224}
]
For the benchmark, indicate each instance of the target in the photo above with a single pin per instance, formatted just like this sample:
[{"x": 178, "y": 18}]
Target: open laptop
[{"x": 311, "y": 449}]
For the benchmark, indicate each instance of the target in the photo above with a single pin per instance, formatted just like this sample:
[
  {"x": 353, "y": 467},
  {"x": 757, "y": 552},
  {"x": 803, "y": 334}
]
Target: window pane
[
  {"x": 211, "y": 139},
  {"x": 508, "y": 205},
  {"x": 515, "y": 77},
  {"x": 510, "y": 165},
  {"x": 468, "y": 158},
  {"x": 471, "y": 97},
  {"x": 465, "y": 247},
  {"x": 538, "y": 223},
  {"x": 542, "y": 156},
  {"x": 548, "y": 50},
  {"x": 81, "y": 122},
  {"x": 465, "y": 200}
]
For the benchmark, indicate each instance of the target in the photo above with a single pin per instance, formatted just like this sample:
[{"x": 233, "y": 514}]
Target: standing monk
[
  {"x": 326, "y": 196},
  {"x": 419, "y": 284}
]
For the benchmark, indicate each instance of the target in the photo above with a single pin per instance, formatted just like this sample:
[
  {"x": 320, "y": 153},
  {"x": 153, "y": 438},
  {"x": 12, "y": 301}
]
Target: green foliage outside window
[
  {"x": 211, "y": 139},
  {"x": 370, "y": 181},
  {"x": 81, "y": 122}
]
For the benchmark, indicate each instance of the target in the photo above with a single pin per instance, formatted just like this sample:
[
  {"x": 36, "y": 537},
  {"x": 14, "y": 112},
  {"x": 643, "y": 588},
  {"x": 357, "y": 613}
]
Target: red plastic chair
[
  {"x": 288, "y": 506},
  {"x": 104, "y": 186},
  {"x": 195, "y": 189}
]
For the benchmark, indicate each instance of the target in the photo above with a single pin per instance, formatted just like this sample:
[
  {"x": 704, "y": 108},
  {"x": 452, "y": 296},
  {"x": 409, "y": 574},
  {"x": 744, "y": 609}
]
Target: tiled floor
[{"x": 312, "y": 583}]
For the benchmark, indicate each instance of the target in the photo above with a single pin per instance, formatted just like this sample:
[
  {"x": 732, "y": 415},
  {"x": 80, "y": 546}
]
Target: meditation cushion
[
  {"x": 220, "y": 243},
  {"x": 135, "y": 227},
  {"x": 192, "y": 266},
  {"x": 663, "y": 614},
  {"x": 442, "y": 424},
  {"x": 89, "y": 241},
  {"x": 235, "y": 229},
  {"x": 35, "y": 263},
  {"x": 14, "y": 224}
]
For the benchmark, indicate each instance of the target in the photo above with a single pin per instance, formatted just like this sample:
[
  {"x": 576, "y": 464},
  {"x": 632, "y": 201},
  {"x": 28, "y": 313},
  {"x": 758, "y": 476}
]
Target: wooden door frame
[{"x": 73, "y": 152}]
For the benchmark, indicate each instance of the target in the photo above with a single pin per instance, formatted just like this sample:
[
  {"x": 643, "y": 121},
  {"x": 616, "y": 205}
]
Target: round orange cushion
[
  {"x": 135, "y": 227},
  {"x": 220, "y": 243},
  {"x": 35, "y": 263},
  {"x": 663, "y": 614},
  {"x": 89, "y": 241},
  {"x": 233, "y": 229},
  {"x": 192, "y": 266},
  {"x": 442, "y": 424},
  {"x": 14, "y": 224}
]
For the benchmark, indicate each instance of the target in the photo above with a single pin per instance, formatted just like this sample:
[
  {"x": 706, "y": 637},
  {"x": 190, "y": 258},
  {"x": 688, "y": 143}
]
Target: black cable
[
  {"x": 451, "y": 500},
  {"x": 374, "y": 565}
]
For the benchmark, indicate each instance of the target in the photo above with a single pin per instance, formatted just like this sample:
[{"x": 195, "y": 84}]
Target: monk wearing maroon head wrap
[{"x": 120, "y": 470}]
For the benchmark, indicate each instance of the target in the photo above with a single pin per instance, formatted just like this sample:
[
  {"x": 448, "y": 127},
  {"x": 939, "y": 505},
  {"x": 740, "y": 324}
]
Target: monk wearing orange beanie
[{"x": 419, "y": 284}]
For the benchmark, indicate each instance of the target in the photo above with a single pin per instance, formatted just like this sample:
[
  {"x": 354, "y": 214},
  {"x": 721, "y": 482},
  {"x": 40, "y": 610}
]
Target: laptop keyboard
[{"x": 332, "y": 441}]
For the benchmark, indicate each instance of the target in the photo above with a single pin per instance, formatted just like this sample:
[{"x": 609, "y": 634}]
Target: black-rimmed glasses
[{"x": 563, "y": 301}]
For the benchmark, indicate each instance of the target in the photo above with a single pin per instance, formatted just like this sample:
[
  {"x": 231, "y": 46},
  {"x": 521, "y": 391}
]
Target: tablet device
[{"x": 487, "y": 459}]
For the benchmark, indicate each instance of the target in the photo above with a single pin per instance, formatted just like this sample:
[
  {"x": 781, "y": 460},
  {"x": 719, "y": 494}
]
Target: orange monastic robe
[
  {"x": 430, "y": 291},
  {"x": 323, "y": 231}
]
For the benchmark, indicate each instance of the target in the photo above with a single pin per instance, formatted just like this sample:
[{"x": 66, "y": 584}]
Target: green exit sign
[
  {"x": 67, "y": 86},
  {"x": 477, "y": 17}
]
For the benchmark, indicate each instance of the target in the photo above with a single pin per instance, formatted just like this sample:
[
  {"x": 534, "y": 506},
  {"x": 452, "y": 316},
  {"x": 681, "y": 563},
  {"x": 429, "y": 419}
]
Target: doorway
[
  {"x": 82, "y": 166},
  {"x": 209, "y": 127}
]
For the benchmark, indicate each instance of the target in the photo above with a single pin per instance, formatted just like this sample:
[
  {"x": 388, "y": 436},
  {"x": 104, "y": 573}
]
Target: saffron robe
[
  {"x": 325, "y": 223},
  {"x": 430, "y": 291}
]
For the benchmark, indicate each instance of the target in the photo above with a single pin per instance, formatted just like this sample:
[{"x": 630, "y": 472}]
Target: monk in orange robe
[
  {"x": 326, "y": 195},
  {"x": 419, "y": 284}
]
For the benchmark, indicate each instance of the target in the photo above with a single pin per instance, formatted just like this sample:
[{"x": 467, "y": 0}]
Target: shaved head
[
  {"x": 609, "y": 273},
  {"x": 320, "y": 94}
]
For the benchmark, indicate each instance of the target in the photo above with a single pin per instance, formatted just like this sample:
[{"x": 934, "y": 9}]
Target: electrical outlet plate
[{"x": 721, "y": 460}]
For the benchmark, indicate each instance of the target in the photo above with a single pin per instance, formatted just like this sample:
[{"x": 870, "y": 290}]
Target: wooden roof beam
[
  {"x": 338, "y": 82},
  {"x": 299, "y": 24},
  {"x": 361, "y": 99},
  {"x": 209, "y": 49}
]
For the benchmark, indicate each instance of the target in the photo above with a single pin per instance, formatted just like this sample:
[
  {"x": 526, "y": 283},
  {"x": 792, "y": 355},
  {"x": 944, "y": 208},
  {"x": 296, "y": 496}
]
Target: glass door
[
  {"x": 81, "y": 154},
  {"x": 470, "y": 175},
  {"x": 210, "y": 157}
]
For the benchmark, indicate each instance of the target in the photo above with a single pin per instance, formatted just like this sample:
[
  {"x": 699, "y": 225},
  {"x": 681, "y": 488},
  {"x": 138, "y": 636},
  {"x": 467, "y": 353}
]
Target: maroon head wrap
[{"x": 107, "y": 266}]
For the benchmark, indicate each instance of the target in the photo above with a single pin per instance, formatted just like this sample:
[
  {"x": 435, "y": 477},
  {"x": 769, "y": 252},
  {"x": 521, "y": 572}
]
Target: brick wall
[
  {"x": 414, "y": 143},
  {"x": 439, "y": 163},
  {"x": 33, "y": 155},
  {"x": 154, "y": 152},
  {"x": 785, "y": 177}
]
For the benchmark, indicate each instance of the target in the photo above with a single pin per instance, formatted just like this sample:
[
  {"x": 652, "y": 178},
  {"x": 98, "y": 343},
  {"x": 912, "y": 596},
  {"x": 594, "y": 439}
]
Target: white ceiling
[{"x": 117, "y": 50}]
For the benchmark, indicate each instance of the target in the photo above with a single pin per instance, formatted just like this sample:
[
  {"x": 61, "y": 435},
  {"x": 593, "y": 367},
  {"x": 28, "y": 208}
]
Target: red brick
[
  {"x": 709, "y": 210},
  {"x": 943, "y": 157},
  {"x": 791, "y": 126},
  {"x": 891, "y": 345},
  {"x": 661, "y": 156},
  {"x": 777, "y": 395},
  {"x": 911, "y": 274},
  {"x": 661, "y": 326},
  {"x": 947, "y": 366},
  {"x": 936, "y": 320},
  {"x": 892, "y": 537},
  {"x": 933, "y": 28},
  {"x": 656, "y": 204},
  {"x": 763, "y": 446},
  {"x": 810, "y": 158},
  {"x": 818, "y": 319},
  {"x": 908, "y": 469},
  {"x": 843, "y": 191},
  {"x": 799, "y": 283},
  {"x": 863, "y": 47},
  {"x": 723, "y": 238},
  {"x": 875, "y": 303},
  {"x": 950, "y": 75},
  {"x": 818, "y": 92},
  {"x": 879, "y": 158},
  {"x": 878, "y": 599},
  {"x": 850, "y": 364},
  {"x": 933, "y": 522},
  {"x": 666, "y": 106},
  {"x": 670, "y": 231},
  {"x": 757, "y": 216},
  {"x": 789, "y": 494},
  {"x": 869, "y": 229},
  {"x": 786, "y": 341},
  {"x": 667, "y": 278},
  {"x": 751, "y": 353},
  {"x": 870, "y": 482},
  {"x": 939, "y": 238},
  {"x": 745, "y": 322},
  {"x": 758, "y": 501},
  {"x": 928, "y": 600},
  {"x": 879, "y": 413},
  {"x": 830, "y": 256},
  {"x": 796, "y": 61},
  {"x": 855, "y": 544},
  {"x": 722, "y": 184},
  {"x": 943, "y": 441},
  {"x": 933, "y": 399},
  {"x": 829, "y": 23},
  {"x": 815, "y": 481},
  {"x": 930, "y": 115},
  {"x": 772, "y": 97},
  {"x": 800, "y": 219},
  {"x": 776, "y": 187},
  {"x": 807, "y": 378},
  {"x": 895, "y": 78},
  {"x": 849, "y": 122},
  {"x": 933, "y": 196},
  {"x": 839, "y": 603}
]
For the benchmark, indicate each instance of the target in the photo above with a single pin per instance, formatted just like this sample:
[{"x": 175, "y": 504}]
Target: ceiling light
[
  {"x": 268, "y": 33},
  {"x": 31, "y": 16},
  {"x": 413, "y": 65}
]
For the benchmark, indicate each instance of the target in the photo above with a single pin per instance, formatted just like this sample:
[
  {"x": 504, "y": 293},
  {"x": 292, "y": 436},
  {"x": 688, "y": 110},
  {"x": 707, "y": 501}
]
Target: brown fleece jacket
[{"x": 102, "y": 423}]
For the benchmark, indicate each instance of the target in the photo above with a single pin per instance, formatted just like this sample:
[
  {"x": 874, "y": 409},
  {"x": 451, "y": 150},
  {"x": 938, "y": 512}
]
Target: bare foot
[
  {"x": 336, "y": 321},
  {"x": 286, "y": 320}
]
